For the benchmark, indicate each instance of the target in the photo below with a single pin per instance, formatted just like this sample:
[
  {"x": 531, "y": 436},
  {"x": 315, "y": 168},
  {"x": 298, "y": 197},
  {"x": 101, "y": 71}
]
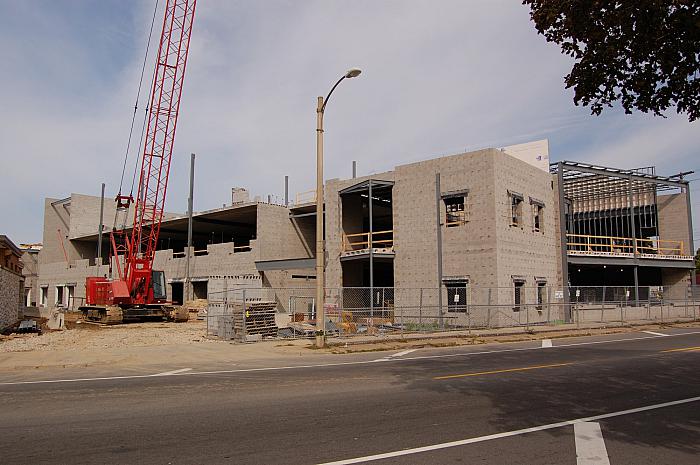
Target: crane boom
[
  {"x": 137, "y": 286},
  {"x": 166, "y": 92}
]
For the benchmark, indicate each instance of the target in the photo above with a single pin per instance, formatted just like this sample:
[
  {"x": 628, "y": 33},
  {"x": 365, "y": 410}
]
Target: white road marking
[
  {"x": 394, "y": 356},
  {"x": 174, "y": 372},
  {"x": 546, "y": 343},
  {"x": 401, "y": 354},
  {"x": 590, "y": 446},
  {"x": 358, "y": 362},
  {"x": 464, "y": 442},
  {"x": 656, "y": 334}
]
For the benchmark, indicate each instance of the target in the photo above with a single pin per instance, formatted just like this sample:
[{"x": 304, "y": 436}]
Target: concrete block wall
[
  {"x": 30, "y": 272},
  {"x": 11, "y": 296},
  {"x": 675, "y": 283},
  {"x": 59, "y": 274},
  {"x": 523, "y": 252},
  {"x": 468, "y": 249},
  {"x": 56, "y": 230},
  {"x": 486, "y": 249},
  {"x": 673, "y": 219},
  {"x": 278, "y": 237}
]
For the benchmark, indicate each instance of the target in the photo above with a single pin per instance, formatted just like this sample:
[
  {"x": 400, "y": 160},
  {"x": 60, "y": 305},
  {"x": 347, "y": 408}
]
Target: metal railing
[
  {"x": 260, "y": 313},
  {"x": 363, "y": 241},
  {"x": 623, "y": 246}
]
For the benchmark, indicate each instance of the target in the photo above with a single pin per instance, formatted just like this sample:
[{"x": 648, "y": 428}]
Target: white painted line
[
  {"x": 358, "y": 362},
  {"x": 174, "y": 372},
  {"x": 401, "y": 354},
  {"x": 656, "y": 334},
  {"x": 546, "y": 343},
  {"x": 590, "y": 446},
  {"x": 464, "y": 442},
  {"x": 214, "y": 372},
  {"x": 558, "y": 346}
]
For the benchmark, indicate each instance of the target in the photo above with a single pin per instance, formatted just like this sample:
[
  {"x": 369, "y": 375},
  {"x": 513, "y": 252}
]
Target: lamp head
[{"x": 353, "y": 72}]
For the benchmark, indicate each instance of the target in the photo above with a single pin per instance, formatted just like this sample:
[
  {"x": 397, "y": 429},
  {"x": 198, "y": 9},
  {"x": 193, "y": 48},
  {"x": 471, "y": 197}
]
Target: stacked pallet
[{"x": 254, "y": 318}]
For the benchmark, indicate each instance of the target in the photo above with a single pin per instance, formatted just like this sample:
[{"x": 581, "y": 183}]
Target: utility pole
[
  {"x": 320, "y": 244},
  {"x": 189, "y": 231},
  {"x": 439, "y": 246}
]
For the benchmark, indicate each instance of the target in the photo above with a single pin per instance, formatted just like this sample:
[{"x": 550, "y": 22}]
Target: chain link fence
[{"x": 252, "y": 314}]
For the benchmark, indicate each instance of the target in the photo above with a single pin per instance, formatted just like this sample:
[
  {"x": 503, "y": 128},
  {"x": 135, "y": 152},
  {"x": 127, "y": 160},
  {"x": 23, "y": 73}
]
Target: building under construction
[{"x": 500, "y": 218}]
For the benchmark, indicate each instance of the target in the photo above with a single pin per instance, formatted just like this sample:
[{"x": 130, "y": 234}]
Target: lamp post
[{"x": 320, "y": 243}]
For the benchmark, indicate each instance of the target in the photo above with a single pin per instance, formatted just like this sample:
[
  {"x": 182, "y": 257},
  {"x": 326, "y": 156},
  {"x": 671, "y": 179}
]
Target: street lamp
[{"x": 320, "y": 243}]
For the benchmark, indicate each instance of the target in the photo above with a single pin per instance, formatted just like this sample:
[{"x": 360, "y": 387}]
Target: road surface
[{"x": 621, "y": 399}]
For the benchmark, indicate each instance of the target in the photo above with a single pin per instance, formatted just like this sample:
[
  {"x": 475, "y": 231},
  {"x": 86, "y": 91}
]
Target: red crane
[{"x": 138, "y": 290}]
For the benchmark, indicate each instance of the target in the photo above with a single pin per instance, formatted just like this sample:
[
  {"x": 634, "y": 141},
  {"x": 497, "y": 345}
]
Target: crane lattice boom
[{"x": 164, "y": 106}]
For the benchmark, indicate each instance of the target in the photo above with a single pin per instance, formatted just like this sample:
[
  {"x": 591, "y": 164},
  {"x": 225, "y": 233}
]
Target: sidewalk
[
  {"x": 134, "y": 351},
  {"x": 481, "y": 336}
]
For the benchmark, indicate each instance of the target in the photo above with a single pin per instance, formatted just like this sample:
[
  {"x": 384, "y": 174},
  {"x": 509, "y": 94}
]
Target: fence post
[
  {"x": 420, "y": 309},
  {"x": 578, "y": 314},
  {"x": 527, "y": 317},
  {"x": 469, "y": 322},
  {"x": 400, "y": 314},
  {"x": 488, "y": 311},
  {"x": 622, "y": 319},
  {"x": 245, "y": 329}
]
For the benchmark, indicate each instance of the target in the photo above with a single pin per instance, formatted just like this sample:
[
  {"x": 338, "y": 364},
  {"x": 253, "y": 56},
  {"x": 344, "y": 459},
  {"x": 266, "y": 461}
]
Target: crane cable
[{"x": 136, "y": 105}]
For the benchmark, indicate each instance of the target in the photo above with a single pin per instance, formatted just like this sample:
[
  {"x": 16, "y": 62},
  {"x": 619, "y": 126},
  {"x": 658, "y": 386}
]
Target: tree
[
  {"x": 697, "y": 261},
  {"x": 643, "y": 53}
]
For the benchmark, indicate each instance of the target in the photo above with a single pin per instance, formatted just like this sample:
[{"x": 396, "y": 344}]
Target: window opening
[
  {"x": 541, "y": 294},
  {"x": 59, "y": 297},
  {"x": 517, "y": 294},
  {"x": 43, "y": 295},
  {"x": 455, "y": 212},
  {"x": 516, "y": 209},
  {"x": 537, "y": 217}
]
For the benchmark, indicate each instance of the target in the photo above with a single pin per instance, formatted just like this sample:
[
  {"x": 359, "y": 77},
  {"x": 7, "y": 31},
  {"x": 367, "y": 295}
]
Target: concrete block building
[
  {"x": 11, "y": 282},
  {"x": 498, "y": 221}
]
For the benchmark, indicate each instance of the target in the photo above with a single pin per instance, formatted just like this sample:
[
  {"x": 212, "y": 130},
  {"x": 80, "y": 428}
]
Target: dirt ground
[
  {"x": 80, "y": 337},
  {"x": 86, "y": 336}
]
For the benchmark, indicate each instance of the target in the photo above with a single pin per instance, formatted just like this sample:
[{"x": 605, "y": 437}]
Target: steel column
[
  {"x": 563, "y": 240},
  {"x": 691, "y": 243},
  {"x": 439, "y": 246},
  {"x": 371, "y": 252},
  {"x": 100, "y": 228},
  {"x": 189, "y": 230}
]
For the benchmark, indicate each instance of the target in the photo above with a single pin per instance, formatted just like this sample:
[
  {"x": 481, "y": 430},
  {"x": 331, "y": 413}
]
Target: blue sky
[{"x": 438, "y": 78}]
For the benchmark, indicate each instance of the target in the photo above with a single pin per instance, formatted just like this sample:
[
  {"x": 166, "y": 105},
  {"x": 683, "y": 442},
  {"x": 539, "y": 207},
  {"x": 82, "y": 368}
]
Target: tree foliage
[{"x": 643, "y": 53}]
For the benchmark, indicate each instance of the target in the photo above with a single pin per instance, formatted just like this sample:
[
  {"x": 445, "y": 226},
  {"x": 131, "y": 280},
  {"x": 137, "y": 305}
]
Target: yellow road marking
[
  {"x": 683, "y": 349},
  {"x": 535, "y": 367}
]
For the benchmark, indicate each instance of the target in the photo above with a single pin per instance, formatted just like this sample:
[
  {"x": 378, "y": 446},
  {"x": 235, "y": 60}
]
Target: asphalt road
[{"x": 453, "y": 403}]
